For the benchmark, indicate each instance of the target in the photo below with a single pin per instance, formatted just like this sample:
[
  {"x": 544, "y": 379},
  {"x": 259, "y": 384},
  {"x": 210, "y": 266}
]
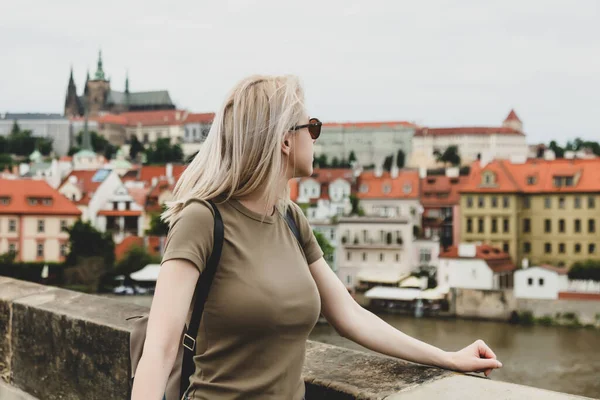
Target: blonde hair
[{"x": 242, "y": 152}]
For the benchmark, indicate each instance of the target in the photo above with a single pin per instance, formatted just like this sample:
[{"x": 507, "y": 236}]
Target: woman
[{"x": 264, "y": 300}]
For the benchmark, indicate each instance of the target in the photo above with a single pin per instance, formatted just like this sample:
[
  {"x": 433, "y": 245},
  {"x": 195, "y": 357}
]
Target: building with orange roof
[
  {"x": 497, "y": 142},
  {"x": 390, "y": 194},
  {"x": 440, "y": 198},
  {"x": 475, "y": 266},
  {"x": 371, "y": 142},
  {"x": 33, "y": 220},
  {"x": 545, "y": 211},
  {"x": 326, "y": 193}
]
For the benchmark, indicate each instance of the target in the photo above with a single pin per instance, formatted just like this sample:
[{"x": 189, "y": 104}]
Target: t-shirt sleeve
[
  {"x": 191, "y": 235},
  {"x": 311, "y": 247}
]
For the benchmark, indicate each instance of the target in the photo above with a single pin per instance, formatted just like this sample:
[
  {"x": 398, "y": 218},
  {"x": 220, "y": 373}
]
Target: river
[{"x": 555, "y": 358}]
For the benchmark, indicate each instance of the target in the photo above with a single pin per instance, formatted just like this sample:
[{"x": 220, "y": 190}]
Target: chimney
[
  {"x": 422, "y": 172},
  {"x": 378, "y": 171},
  {"x": 169, "y": 170},
  {"x": 154, "y": 181},
  {"x": 549, "y": 155},
  {"x": 453, "y": 172},
  {"x": 23, "y": 169},
  {"x": 525, "y": 263},
  {"x": 395, "y": 171}
]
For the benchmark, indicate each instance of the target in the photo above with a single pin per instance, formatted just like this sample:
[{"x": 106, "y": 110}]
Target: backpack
[{"x": 183, "y": 367}]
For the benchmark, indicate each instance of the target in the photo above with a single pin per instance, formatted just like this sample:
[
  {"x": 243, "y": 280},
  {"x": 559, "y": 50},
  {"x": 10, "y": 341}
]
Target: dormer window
[
  {"x": 32, "y": 201},
  {"x": 488, "y": 179},
  {"x": 47, "y": 202},
  {"x": 387, "y": 188},
  {"x": 531, "y": 180},
  {"x": 560, "y": 181},
  {"x": 407, "y": 188},
  {"x": 364, "y": 188},
  {"x": 430, "y": 180},
  {"x": 4, "y": 201}
]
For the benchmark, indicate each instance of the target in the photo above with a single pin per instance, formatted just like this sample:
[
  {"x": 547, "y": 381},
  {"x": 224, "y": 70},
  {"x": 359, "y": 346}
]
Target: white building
[
  {"x": 504, "y": 142},
  {"x": 374, "y": 250},
  {"x": 471, "y": 266},
  {"x": 327, "y": 193},
  {"x": 120, "y": 215},
  {"x": 371, "y": 142},
  {"x": 541, "y": 282},
  {"x": 51, "y": 126}
]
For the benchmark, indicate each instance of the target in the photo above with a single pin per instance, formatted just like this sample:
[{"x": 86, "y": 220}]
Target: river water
[{"x": 555, "y": 358}]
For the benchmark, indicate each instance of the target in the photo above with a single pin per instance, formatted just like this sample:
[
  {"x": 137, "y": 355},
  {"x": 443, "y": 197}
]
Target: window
[
  {"x": 128, "y": 205},
  {"x": 348, "y": 279},
  {"x": 480, "y": 225},
  {"x": 397, "y": 257},
  {"x": 4, "y": 201},
  {"x": 469, "y": 225},
  {"x": 364, "y": 256},
  {"x": 505, "y": 247},
  {"x": 531, "y": 180},
  {"x": 577, "y": 226},
  {"x": 577, "y": 202},
  {"x": 380, "y": 256},
  {"x": 591, "y": 248},
  {"x": 547, "y": 248},
  {"x": 387, "y": 188},
  {"x": 12, "y": 248},
  {"x": 526, "y": 225},
  {"x": 577, "y": 248},
  {"x": 557, "y": 181},
  {"x": 526, "y": 202},
  {"x": 529, "y": 281},
  {"x": 12, "y": 225},
  {"x": 569, "y": 181},
  {"x": 32, "y": 201},
  {"x": 488, "y": 179},
  {"x": 494, "y": 225},
  {"x": 40, "y": 226},
  {"x": 561, "y": 202},
  {"x": 40, "y": 250},
  {"x": 505, "y": 225},
  {"x": 591, "y": 226},
  {"x": 407, "y": 188},
  {"x": 63, "y": 225},
  {"x": 480, "y": 202},
  {"x": 526, "y": 247},
  {"x": 541, "y": 281},
  {"x": 561, "y": 225},
  {"x": 63, "y": 250},
  {"x": 494, "y": 202},
  {"x": 547, "y": 226},
  {"x": 506, "y": 202},
  {"x": 364, "y": 188},
  {"x": 561, "y": 248},
  {"x": 145, "y": 138},
  {"x": 348, "y": 256},
  {"x": 425, "y": 256},
  {"x": 469, "y": 202},
  {"x": 47, "y": 202},
  {"x": 547, "y": 202},
  {"x": 591, "y": 202}
]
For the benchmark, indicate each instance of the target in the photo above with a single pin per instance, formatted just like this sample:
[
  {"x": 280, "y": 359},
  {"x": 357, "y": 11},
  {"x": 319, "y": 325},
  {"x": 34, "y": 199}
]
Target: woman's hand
[{"x": 477, "y": 357}]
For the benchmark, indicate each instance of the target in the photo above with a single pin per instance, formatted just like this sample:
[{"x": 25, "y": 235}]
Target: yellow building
[
  {"x": 542, "y": 211},
  {"x": 33, "y": 220}
]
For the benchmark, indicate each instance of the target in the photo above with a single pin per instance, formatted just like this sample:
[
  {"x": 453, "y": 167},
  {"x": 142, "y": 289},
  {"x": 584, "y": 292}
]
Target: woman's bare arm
[
  {"x": 363, "y": 327},
  {"x": 172, "y": 298}
]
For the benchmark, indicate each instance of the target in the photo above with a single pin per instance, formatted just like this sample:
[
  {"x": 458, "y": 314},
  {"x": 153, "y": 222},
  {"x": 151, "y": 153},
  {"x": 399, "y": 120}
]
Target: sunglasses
[{"x": 314, "y": 128}]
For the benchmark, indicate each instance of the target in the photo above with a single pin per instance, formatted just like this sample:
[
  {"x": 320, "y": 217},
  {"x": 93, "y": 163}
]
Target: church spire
[
  {"x": 127, "y": 82},
  {"x": 99, "y": 71}
]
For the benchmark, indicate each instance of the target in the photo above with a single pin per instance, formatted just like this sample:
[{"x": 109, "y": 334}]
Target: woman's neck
[{"x": 259, "y": 203}]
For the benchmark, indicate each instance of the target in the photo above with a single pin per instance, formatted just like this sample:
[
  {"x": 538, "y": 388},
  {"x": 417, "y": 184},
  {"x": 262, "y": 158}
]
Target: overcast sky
[{"x": 437, "y": 63}]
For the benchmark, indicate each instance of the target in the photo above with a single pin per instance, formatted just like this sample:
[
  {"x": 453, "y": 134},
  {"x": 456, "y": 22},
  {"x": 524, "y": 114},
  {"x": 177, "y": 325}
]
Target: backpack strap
[
  {"x": 289, "y": 218},
  {"x": 201, "y": 294}
]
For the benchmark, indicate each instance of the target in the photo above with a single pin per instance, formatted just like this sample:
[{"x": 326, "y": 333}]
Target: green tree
[
  {"x": 99, "y": 144},
  {"x": 135, "y": 147},
  {"x": 559, "y": 152},
  {"x": 15, "y": 128},
  {"x": 356, "y": 208},
  {"x": 162, "y": 152},
  {"x": 135, "y": 259},
  {"x": 86, "y": 241},
  {"x": 325, "y": 246},
  {"x": 6, "y": 161},
  {"x": 44, "y": 145},
  {"x": 21, "y": 143},
  {"x": 449, "y": 156},
  {"x": 400, "y": 159},
  {"x": 335, "y": 162},
  {"x": 352, "y": 157},
  {"x": 158, "y": 227}
]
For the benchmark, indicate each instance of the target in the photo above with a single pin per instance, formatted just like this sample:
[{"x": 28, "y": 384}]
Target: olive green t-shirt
[{"x": 262, "y": 305}]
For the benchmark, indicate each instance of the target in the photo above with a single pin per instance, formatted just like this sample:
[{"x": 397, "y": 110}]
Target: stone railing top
[{"x": 59, "y": 344}]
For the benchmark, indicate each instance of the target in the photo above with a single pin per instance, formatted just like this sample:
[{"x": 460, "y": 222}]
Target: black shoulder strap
[
  {"x": 289, "y": 218},
  {"x": 200, "y": 294}
]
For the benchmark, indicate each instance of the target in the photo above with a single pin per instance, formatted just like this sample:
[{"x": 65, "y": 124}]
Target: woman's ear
[{"x": 286, "y": 146}]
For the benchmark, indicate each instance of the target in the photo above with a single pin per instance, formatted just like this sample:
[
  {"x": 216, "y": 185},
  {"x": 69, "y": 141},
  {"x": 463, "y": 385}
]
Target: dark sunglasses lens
[{"x": 314, "y": 128}]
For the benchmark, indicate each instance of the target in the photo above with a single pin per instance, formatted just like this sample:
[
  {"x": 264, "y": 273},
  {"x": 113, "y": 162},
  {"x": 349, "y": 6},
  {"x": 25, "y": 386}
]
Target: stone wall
[
  {"x": 59, "y": 344},
  {"x": 585, "y": 312},
  {"x": 484, "y": 304}
]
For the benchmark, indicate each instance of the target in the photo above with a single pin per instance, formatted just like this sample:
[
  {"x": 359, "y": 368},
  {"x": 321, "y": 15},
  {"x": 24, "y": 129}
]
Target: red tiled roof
[
  {"x": 373, "y": 124},
  {"x": 496, "y": 259},
  {"x": 375, "y": 185},
  {"x": 512, "y": 116},
  {"x": 85, "y": 184},
  {"x": 202, "y": 118},
  {"x": 66, "y": 158},
  {"x": 154, "y": 118},
  {"x": 18, "y": 191},
  {"x": 147, "y": 172},
  {"x": 438, "y": 191},
  {"x": 471, "y": 130},
  {"x": 516, "y": 178},
  {"x": 578, "y": 296},
  {"x": 130, "y": 241},
  {"x": 138, "y": 194},
  {"x": 112, "y": 119},
  {"x": 120, "y": 213},
  {"x": 328, "y": 175},
  {"x": 558, "y": 270}
]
